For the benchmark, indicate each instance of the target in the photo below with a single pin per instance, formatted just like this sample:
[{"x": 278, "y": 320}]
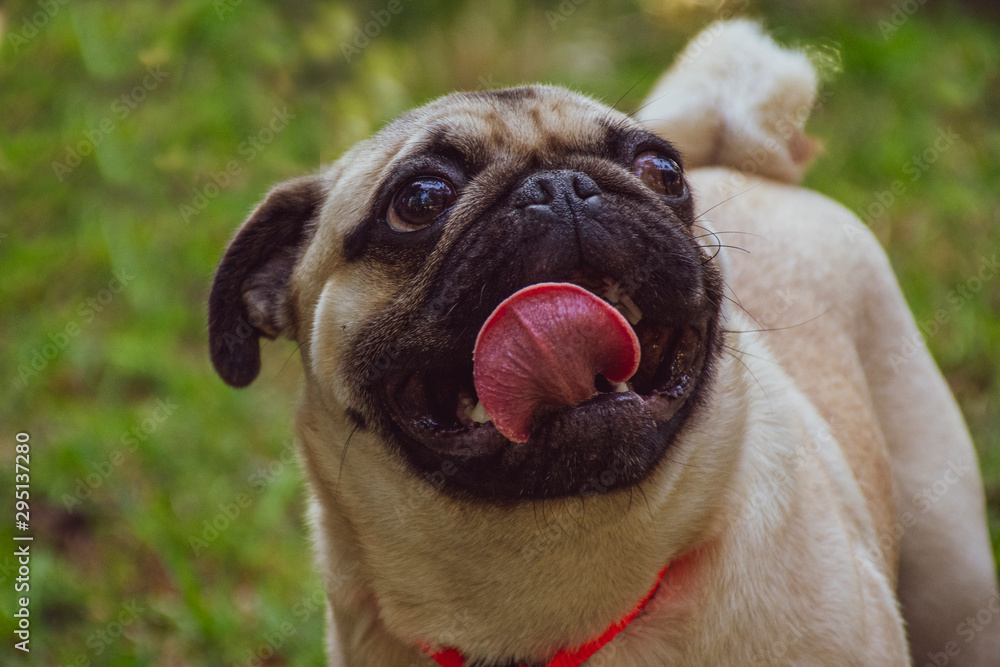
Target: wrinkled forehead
[{"x": 527, "y": 122}]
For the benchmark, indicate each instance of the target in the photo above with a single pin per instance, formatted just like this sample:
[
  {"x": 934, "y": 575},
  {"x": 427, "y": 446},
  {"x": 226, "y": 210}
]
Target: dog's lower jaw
[{"x": 613, "y": 440}]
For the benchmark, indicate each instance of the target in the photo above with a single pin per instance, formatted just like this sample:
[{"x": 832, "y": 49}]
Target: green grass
[{"x": 137, "y": 445}]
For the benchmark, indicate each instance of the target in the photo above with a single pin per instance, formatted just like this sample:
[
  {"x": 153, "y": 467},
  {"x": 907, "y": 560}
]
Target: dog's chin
[{"x": 613, "y": 440}]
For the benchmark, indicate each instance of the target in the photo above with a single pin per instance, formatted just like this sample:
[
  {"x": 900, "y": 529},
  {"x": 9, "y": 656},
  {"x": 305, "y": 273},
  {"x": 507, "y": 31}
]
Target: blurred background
[{"x": 135, "y": 136}]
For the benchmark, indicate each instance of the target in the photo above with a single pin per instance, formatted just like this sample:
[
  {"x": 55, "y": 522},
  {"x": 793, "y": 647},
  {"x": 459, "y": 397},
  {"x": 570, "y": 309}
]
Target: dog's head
[{"x": 385, "y": 267}]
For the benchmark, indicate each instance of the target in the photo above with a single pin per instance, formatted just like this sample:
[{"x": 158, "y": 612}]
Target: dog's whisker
[
  {"x": 743, "y": 353},
  {"x": 298, "y": 346},
  {"x": 736, "y": 302},
  {"x": 534, "y": 513},
  {"x": 642, "y": 492},
  {"x": 727, "y": 199},
  {"x": 545, "y": 519},
  {"x": 343, "y": 455},
  {"x": 754, "y": 376},
  {"x": 581, "y": 521},
  {"x": 632, "y": 87},
  {"x": 770, "y": 329},
  {"x": 712, "y": 232},
  {"x": 718, "y": 241},
  {"x": 688, "y": 464},
  {"x": 719, "y": 246},
  {"x": 649, "y": 102},
  {"x": 628, "y": 508},
  {"x": 583, "y": 509}
]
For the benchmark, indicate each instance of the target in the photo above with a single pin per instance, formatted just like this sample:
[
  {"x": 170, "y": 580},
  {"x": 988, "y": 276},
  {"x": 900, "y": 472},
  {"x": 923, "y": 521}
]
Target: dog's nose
[
  {"x": 560, "y": 192},
  {"x": 556, "y": 213}
]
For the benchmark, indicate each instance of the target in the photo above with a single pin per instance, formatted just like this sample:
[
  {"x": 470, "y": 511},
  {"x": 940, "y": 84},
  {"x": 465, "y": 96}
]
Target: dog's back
[{"x": 823, "y": 291}]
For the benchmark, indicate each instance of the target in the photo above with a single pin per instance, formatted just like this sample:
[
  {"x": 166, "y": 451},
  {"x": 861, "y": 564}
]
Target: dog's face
[{"x": 385, "y": 268}]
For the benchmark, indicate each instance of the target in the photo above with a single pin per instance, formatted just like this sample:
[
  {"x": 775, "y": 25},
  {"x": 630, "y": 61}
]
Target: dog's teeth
[
  {"x": 466, "y": 404},
  {"x": 621, "y": 387},
  {"x": 479, "y": 414},
  {"x": 612, "y": 291},
  {"x": 628, "y": 308}
]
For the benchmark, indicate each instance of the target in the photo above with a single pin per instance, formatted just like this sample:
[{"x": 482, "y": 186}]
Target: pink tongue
[{"x": 542, "y": 347}]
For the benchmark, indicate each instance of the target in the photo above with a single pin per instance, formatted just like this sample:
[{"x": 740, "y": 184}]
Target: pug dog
[{"x": 589, "y": 388}]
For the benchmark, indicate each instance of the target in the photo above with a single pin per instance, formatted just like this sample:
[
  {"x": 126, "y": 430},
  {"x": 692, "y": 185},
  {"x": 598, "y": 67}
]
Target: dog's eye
[
  {"x": 660, "y": 174},
  {"x": 419, "y": 202}
]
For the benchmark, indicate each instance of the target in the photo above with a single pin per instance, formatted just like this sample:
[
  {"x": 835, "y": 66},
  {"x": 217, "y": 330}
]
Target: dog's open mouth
[{"x": 616, "y": 425}]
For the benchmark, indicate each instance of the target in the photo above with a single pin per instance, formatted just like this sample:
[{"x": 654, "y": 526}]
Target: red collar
[{"x": 450, "y": 657}]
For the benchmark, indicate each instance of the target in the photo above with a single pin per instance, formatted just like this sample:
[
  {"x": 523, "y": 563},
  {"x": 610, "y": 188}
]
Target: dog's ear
[{"x": 250, "y": 294}]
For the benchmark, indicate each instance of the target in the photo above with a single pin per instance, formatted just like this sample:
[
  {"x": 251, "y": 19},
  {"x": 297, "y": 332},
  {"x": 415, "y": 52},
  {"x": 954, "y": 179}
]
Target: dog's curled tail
[{"x": 735, "y": 98}]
